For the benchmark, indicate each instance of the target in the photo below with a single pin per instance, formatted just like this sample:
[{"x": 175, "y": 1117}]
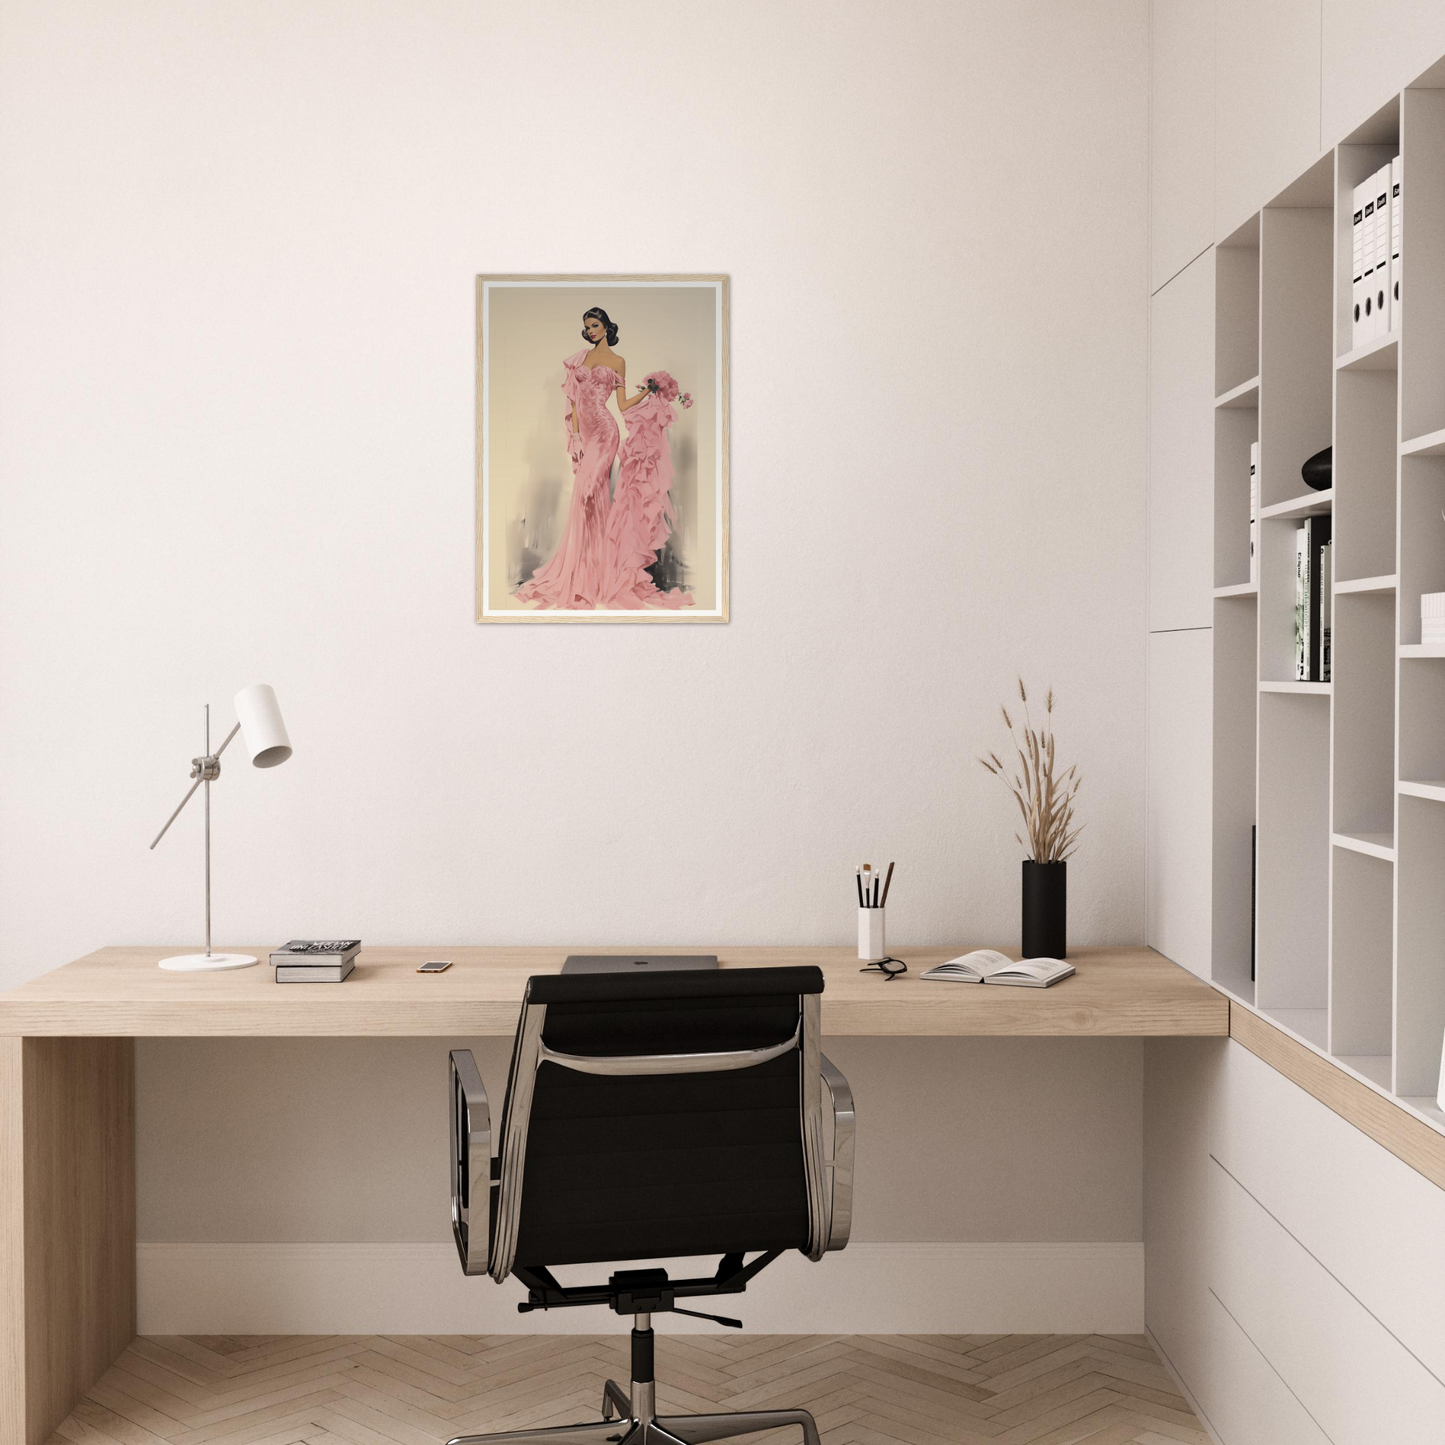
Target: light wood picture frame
[{"x": 602, "y": 453}]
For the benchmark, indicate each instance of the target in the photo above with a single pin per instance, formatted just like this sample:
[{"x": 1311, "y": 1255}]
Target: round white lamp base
[{"x": 207, "y": 962}]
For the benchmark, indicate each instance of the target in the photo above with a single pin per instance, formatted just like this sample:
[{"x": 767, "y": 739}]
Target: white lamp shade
[{"x": 262, "y": 730}]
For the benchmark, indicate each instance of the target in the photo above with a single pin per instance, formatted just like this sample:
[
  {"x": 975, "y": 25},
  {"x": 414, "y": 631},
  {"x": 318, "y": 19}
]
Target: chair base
[{"x": 640, "y": 1427}]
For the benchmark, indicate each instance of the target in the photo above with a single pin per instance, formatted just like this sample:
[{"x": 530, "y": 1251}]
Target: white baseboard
[{"x": 314, "y": 1289}]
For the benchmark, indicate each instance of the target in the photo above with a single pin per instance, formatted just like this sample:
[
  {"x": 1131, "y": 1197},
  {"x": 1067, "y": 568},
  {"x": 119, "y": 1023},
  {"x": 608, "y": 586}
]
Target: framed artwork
[{"x": 602, "y": 449}]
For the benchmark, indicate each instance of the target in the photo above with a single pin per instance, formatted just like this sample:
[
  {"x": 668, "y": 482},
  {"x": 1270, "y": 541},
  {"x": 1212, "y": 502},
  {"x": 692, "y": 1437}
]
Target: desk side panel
[
  {"x": 12, "y": 1245},
  {"x": 77, "y": 1153}
]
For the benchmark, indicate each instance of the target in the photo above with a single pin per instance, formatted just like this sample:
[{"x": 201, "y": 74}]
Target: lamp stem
[{"x": 207, "y": 753}]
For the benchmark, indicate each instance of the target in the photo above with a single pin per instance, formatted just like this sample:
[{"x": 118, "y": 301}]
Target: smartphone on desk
[{"x": 435, "y": 965}]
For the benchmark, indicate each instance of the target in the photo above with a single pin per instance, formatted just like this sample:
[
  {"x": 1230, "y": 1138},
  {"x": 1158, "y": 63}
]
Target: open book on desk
[{"x": 987, "y": 965}]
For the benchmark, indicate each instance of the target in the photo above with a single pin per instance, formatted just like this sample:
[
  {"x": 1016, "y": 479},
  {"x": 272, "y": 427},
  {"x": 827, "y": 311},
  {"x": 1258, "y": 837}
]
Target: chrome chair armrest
[
  {"x": 840, "y": 1166},
  {"x": 471, "y": 1128}
]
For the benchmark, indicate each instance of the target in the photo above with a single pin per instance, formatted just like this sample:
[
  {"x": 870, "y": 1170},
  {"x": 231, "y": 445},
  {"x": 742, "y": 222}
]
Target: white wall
[
  {"x": 237, "y": 254},
  {"x": 236, "y": 367}
]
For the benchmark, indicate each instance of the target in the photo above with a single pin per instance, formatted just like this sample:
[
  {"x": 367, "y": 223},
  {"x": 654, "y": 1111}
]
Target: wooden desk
[
  {"x": 119, "y": 992},
  {"x": 67, "y": 1092}
]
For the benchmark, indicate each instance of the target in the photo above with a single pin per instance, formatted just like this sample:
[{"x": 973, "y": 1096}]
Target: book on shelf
[
  {"x": 1254, "y": 513},
  {"x": 316, "y": 952},
  {"x": 1309, "y": 611},
  {"x": 1326, "y": 607},
  {"x": 314, "y": 972},
  {"x": 988, "y": 965},
  {"x": 1301, "y": 606}
]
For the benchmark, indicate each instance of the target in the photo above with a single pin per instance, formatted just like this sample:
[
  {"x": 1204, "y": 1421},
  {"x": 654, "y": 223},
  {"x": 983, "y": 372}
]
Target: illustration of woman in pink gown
[{"x": 609, "y": 542}]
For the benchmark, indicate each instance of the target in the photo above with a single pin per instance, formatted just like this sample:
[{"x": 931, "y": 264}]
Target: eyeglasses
[{"x": 890, "y": 968}]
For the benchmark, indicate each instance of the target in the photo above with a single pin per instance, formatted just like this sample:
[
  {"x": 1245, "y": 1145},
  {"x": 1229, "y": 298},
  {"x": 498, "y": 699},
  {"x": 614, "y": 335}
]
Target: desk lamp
[{"x": 258, "y": 720}]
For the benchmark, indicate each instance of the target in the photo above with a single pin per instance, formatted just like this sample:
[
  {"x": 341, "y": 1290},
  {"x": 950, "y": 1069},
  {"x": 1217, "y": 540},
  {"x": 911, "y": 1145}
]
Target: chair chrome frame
[{"x": 485, "y": 1227}]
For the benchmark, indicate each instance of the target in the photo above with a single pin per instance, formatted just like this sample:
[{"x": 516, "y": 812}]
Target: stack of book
[
  {"x": 315, "y": 960},
  {"x": 1312, "y": 601},
  {"x": 1375, "y": 272}
]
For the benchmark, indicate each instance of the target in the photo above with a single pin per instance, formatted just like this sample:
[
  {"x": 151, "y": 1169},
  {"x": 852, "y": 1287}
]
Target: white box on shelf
[{"x": 1432, "y": 617}]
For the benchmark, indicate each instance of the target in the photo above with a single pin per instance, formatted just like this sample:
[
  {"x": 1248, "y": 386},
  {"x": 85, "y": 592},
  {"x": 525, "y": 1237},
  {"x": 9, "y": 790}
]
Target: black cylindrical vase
[{"x": 1046, "y": 909}]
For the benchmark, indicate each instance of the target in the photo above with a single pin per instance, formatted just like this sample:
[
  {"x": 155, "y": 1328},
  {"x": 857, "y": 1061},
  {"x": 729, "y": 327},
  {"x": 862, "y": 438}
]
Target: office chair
[{"x": 651, "y": 1117}]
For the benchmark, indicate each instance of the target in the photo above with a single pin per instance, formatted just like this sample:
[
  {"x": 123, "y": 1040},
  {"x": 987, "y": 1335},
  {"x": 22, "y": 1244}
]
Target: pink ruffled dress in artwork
[
  {"x": 641, "y": 519},
  {"x": 608, "y": 544},
  {"x": 582, "y": 573}
]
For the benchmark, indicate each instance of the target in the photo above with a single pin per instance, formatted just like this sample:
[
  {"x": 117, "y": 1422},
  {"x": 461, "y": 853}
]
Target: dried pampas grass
[{"x": 1046, "y": 801}]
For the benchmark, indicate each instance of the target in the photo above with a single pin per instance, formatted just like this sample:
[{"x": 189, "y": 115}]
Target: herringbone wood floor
[{"x": 418, "y": 1390}]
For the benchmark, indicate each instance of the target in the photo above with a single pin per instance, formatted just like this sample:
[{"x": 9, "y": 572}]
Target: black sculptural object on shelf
[{"x": 1319, "y": 471}]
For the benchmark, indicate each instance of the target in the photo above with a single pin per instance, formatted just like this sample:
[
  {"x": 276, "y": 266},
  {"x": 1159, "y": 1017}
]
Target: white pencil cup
[{"x": 871, "y": 946}]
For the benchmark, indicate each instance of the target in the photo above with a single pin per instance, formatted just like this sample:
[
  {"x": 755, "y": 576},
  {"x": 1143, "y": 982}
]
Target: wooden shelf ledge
[{"x": 1390, "y": 1120}]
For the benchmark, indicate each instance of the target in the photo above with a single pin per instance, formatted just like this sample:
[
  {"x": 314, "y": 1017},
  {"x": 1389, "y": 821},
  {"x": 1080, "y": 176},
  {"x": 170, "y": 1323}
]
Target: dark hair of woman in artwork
[{"x": 609, "y": 325}]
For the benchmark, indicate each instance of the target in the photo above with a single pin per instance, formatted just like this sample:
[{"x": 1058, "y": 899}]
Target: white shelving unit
[{"x": 1344, "y": 781}]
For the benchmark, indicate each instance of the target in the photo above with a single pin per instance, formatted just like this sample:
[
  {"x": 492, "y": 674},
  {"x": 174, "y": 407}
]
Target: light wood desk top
[{"x": 119, "y": 992}]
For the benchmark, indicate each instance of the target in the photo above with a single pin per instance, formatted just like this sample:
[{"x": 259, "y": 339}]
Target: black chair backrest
[{"x": 647, "y": 1166}]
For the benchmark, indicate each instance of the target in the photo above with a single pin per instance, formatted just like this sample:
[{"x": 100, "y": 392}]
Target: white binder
[
  {"x": 1367, "y": 323},
  {"x": 1382, "y": 251},
  {"x": 1254, "y": 513},
  {"x": 1357, "y": 268},
  {"x": 1396, "y": 225}
]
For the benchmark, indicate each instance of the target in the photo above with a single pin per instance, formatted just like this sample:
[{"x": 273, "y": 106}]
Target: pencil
[{"x": 887, "y": 884}]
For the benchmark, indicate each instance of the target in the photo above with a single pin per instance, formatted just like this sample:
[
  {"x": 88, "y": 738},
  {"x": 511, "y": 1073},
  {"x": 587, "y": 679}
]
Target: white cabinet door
[
  {"x": 1366, "y": 1216},
  {"x": 1181, "y": 134},
  {"x": 1266, "y": 103},
  {"x": 1246, "y": 1401},
  {"x": 1178, "y": 900},
  {"x": 1370, "y": 52},
  {"x": 1181, "y": 450},
  {"x": 1358, "y": 1382}
]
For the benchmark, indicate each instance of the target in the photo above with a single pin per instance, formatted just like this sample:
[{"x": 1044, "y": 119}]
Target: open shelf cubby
[{"x": 1329, "y": 795}]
